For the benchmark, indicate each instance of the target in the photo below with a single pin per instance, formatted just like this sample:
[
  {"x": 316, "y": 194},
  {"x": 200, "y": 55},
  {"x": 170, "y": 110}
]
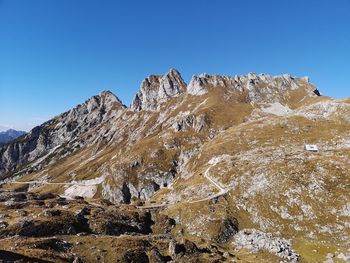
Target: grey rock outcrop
[
  {"x": 196, "y": 86},
  {"x": 228, "y": 229},
  {"x": 126, "y": 192},
  {"x": 252, "y": 87},
  {"x": 157, "y": 89},
  {"x": 201, "y": 84},
  {"x": 256, "y": 240},
  {"x": 191, "y": 122}
]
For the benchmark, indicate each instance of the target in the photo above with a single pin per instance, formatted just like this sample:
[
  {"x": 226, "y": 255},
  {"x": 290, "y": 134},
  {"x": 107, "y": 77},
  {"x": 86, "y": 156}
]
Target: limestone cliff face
[
  {"x": 252, "y": 87},
  {"x": 156, "y": 89}
]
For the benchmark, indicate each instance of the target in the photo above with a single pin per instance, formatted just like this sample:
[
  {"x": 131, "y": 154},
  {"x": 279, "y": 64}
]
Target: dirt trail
[
  {"x": 222, "y": 190},
  {"x": 49, "y": 183}
]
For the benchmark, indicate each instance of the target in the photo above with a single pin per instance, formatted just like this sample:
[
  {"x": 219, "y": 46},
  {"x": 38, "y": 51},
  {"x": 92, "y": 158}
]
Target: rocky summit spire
[
  {"x": 197, "y": 85},
  {"x": 109, "y": 99},
  {"x": 157, "y": 89}
]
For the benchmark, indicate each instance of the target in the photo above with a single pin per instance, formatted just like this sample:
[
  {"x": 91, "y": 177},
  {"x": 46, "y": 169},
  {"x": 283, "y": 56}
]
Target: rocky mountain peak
[
  {"x": 105, "y": 99},
  {"x": 100, "y": 113},
  {"x": 158, "y": 88},
  {"x": 106, "y": 94},
  {"x": 61, "y": 131},
  {"x": 252, "y": 87},
  {"x": 197, "y": 85}
]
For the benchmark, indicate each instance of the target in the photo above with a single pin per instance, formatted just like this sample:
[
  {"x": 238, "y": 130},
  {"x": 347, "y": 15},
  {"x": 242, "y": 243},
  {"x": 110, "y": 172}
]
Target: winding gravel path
[
  {"x": 222, "y": 190},
  {"x": 50, "y": 183}
]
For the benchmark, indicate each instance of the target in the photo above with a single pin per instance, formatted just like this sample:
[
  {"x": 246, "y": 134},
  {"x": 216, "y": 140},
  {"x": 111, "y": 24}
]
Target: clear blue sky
[{"x": 55, "y": 54}]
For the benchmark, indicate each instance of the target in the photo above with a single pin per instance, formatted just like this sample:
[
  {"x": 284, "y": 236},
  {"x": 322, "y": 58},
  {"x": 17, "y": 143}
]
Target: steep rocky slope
[
  {"x": 62, "y": 135},
  {"x": 222, "y": 156}
]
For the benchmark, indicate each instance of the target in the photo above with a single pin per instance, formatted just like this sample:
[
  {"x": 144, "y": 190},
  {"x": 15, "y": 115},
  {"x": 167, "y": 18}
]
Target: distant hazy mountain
[{"x": 9, "y": 135}]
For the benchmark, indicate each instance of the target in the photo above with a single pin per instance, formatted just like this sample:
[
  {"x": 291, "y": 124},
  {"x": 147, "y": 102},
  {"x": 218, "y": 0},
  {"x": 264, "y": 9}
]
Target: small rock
[
  {"x": 46, "y": 196},
  {"x": 4, "y": 216},
  {"x": 19, "y": 197},
  {"x": 51, "y": 213},
  {"x": 3, "y": 224},
  {"x": 78, "y": 260},
  {"x": 22, "y": 212}
]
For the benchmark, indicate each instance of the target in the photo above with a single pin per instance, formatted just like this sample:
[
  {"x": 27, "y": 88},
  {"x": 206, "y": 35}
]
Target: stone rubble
[{"x": 256, "y": 240}]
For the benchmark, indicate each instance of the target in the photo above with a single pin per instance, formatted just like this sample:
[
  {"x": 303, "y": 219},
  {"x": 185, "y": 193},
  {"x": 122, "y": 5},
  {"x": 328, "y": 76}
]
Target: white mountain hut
[{"x": 311, "y": 147}]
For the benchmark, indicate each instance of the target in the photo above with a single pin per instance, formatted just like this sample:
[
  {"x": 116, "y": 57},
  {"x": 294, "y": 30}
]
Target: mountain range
[
  {"x": 10, "y": 135},
  {"x": 222, "y": 157}
]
